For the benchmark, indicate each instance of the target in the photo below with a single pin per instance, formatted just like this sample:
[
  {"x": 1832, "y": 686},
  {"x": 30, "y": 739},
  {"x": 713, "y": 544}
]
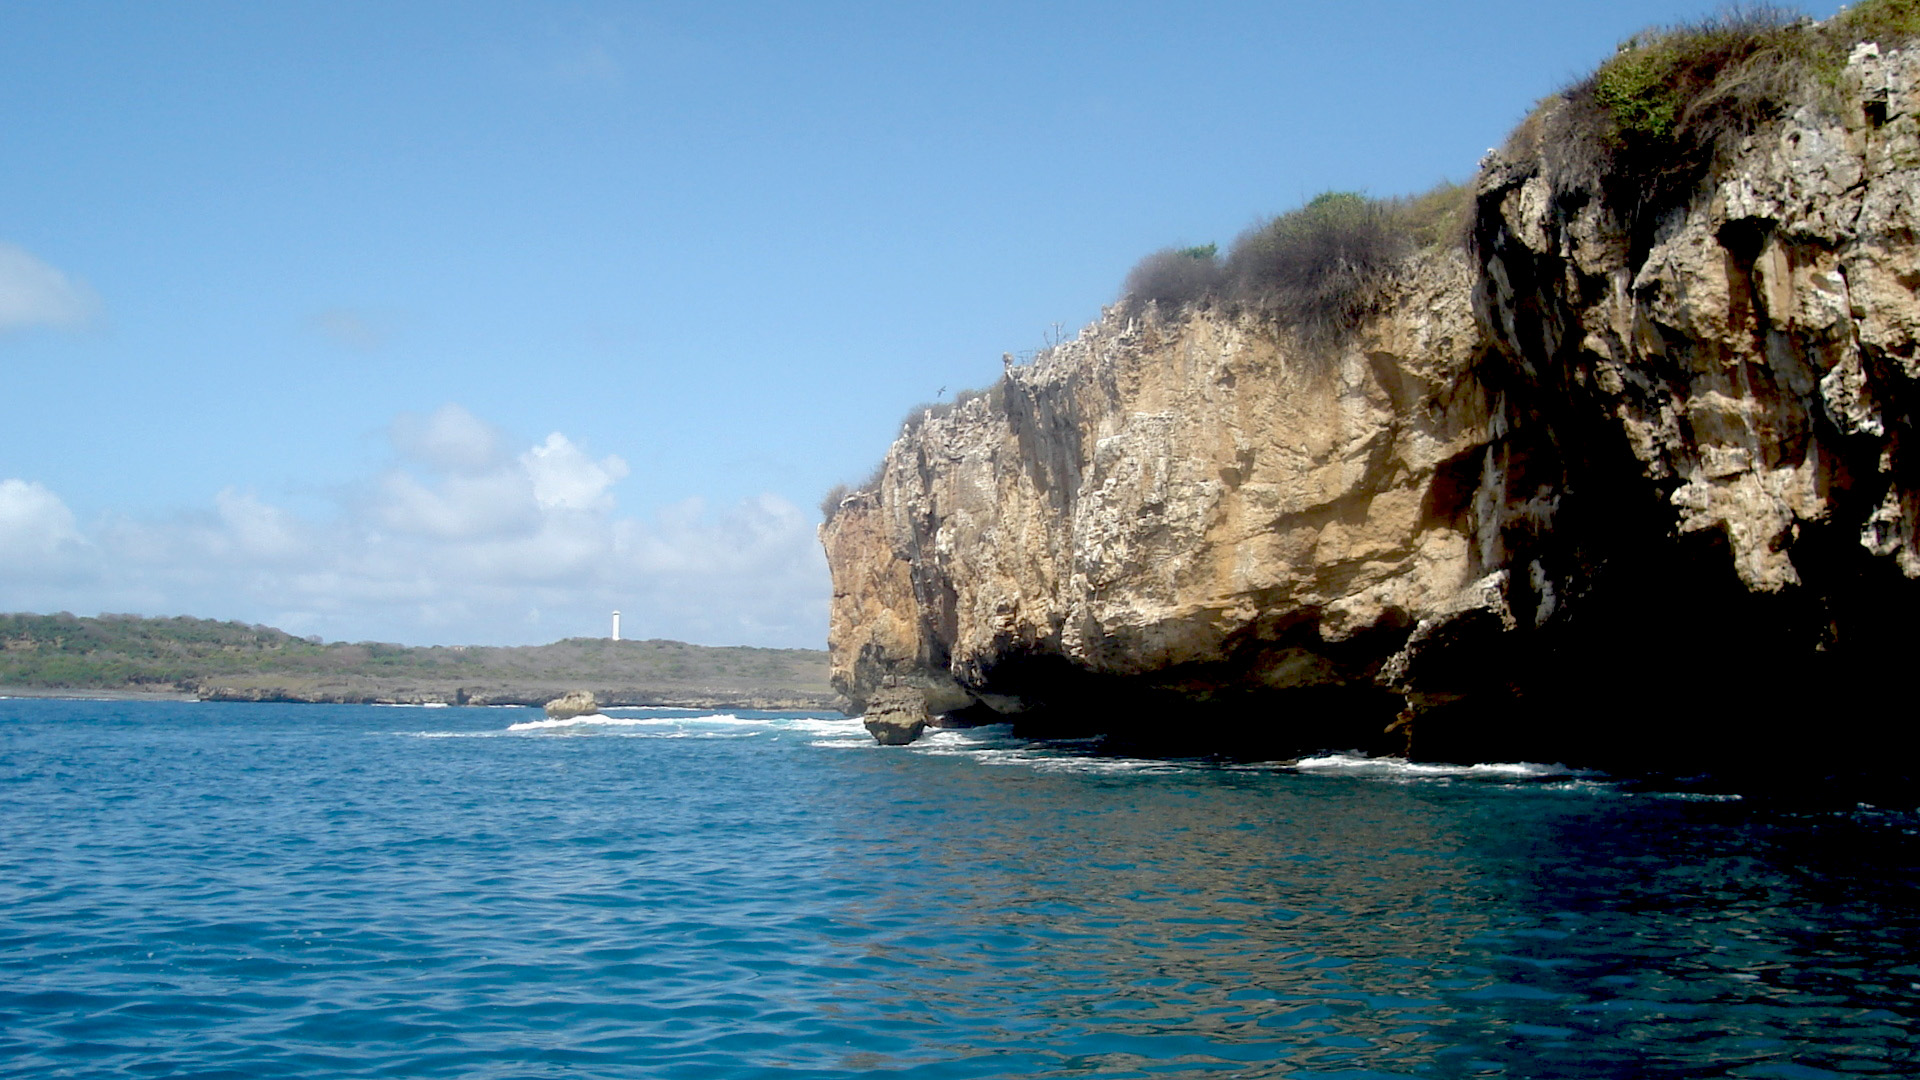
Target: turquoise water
[{"x": 317, "y": 891}]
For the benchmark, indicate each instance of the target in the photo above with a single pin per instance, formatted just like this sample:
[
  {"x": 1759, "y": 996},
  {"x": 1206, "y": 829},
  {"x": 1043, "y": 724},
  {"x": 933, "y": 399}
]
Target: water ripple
[{"x": 249, "y": 890}]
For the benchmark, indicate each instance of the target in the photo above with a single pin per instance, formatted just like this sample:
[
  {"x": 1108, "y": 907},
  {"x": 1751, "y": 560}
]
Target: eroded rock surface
[
  {"x": 1604, "y": 472},
  {"x": 571, "y": 704},
  {"x": 895, "y": 715}
]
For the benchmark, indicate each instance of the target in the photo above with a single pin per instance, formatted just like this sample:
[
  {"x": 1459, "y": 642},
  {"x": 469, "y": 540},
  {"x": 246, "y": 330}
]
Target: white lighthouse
[{"x": 616, "y": 626}]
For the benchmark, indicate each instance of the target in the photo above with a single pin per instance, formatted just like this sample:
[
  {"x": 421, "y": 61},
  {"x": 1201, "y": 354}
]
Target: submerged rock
[
  {"x": 896, "y": 715},
  {"x": 571, "y": 704}
]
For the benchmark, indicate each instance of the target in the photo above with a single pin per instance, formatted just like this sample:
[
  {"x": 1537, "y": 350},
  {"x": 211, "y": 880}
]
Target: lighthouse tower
[{"x": 616, "y": 626}]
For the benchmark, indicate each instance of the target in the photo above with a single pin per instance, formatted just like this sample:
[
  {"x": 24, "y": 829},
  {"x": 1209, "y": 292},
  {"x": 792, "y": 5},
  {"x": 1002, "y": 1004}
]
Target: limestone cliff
[{"x": 1609, "y": 474}]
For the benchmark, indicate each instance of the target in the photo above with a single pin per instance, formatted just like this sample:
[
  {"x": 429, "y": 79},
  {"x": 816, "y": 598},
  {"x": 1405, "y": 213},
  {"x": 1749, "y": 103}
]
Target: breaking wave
[
  {"x": 1392, "y": 768},
  {"x": 602, "y": 720}
]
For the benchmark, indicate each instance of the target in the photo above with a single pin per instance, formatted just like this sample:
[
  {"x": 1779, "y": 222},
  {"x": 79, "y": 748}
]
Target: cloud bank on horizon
[{"x": 457, "y": 540}]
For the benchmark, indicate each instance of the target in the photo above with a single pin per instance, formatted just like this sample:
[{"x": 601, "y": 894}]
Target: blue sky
[{"x": 469, "y": 322}]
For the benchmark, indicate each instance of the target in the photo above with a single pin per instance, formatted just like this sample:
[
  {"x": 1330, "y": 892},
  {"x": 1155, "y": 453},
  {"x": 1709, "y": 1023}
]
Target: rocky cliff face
[{"x": 1612, "y": 477}]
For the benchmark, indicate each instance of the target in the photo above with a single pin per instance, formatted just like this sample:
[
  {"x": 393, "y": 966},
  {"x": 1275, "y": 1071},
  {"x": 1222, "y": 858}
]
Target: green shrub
[
  {"x": 1639, "y": 92},
  {"x": 1700, "y": 82},
  {"x": 830, "y": 502},
  {"x": 1655, "y": 119},
  {"x": 1173, "y": 278},
  {"x": 1438, "y": 217},
  {"x": 1319, "y": 269},
  {"x": 1885, "y": 22}
]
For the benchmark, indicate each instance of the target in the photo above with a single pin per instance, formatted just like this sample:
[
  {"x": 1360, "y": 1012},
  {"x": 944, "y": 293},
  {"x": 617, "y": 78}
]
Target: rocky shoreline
[
  {"x": 105, "y": 694},
  {"x": 1622, "y": 480}
]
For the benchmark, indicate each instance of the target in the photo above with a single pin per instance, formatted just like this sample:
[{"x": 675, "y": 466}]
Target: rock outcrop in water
[
  {"x": 1620, "y": 480},
  {"x": 571, "y": 704},
  {"x": 895, "y": 715}
]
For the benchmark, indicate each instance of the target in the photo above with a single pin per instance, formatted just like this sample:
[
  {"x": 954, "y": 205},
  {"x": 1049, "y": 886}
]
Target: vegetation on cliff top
[
  {"x": 1647, "y": 124},
  {"x": 1654, "y": 119},
  {"x": 128, "y": 652},
  {"x": 1318, "y": 269}
]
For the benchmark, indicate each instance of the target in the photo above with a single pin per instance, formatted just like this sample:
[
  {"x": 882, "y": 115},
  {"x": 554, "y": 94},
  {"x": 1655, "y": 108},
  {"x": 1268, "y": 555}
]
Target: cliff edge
[{"x": 1616, "y": 479}]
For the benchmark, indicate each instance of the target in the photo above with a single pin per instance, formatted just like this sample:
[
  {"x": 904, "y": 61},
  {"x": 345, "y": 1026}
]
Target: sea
[{"x": 261, "y": 890}]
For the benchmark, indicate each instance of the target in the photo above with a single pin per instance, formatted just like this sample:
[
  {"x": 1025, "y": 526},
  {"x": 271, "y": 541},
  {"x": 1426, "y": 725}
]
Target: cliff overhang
[{"x": 1615, "y": 480}]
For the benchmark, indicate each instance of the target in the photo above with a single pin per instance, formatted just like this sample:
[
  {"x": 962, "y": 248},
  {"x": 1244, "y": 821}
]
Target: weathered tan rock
[
  {"x": 1159, "y": 488},
  {"x": 571, "y": 704},
  {"x": 1770, "y": 320},
  {"x": 1604, "y": 442},
  {"x": 896, "y": 715}
]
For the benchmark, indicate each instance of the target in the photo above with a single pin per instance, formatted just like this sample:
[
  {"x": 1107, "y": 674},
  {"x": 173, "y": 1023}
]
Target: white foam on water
[
  {"x": 947, "y": 741},
  {"x": 848, "y": 733},
  {"x": 645, "y": 733},
  {"x": 1693, "y": 796},
  {"x": 601, "y": 720},
  {"x": 412, "y": 705},
  {"x": 1097, "y": 766},
  {"x": 841, "y": 727},
  {"x": 1390, "y": 768},
  {"x": 995, "y": 744}
]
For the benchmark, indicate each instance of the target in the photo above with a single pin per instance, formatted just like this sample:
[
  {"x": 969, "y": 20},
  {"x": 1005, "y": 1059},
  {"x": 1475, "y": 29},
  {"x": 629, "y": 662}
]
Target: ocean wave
[
  {"x": 996, "y": 744},
  {"x": 635, "y": 734},
  {"x": 1393, "y": 768},
  {"x": 602, "y": 720},
  {"x": 844, "y": 727},
  {"x": 1081, "y": 765}
]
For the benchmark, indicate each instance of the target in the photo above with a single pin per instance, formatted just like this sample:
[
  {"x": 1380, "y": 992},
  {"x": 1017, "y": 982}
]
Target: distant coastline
[
  {"x": 126, "y": 657},
  {"x": 95, "y": 694}
]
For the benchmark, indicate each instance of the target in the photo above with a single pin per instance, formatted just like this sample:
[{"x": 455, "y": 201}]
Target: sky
[{"x": 470, "y": 322}]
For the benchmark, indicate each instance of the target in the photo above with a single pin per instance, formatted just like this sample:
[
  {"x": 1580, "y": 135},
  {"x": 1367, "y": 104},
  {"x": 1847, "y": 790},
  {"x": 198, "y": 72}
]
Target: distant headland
[{"x": 64, "y": 655}]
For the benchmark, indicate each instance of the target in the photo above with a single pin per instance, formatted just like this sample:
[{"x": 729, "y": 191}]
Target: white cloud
[
  {"x": 449, "y": 438},
  {"x": 456, "y": 507},
  {"x": 36, "y": 528},
  {"x": 35, "y": 294},
  {"x": 564, "y": 478},
  {"x": 457, "y": 541},
  {"x": 259, "y": 532}
]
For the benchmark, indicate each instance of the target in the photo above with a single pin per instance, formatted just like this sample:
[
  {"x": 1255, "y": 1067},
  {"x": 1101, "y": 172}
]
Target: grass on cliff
[
  {"x": 1654, "y": 119},
  {"x": 1646, "y": 125},
  {"x": 1318, "y": 269}
]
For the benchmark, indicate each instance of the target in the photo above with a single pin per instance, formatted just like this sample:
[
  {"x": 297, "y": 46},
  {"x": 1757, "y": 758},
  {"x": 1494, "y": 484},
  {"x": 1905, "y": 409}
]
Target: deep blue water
[{"x": 315, "y": 891}]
